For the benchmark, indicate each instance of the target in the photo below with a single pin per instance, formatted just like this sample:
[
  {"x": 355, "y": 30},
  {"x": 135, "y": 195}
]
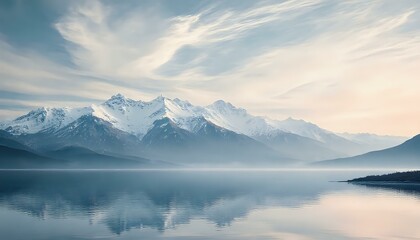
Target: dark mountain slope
[
  {"x": 302, "y": 148},
  {"x": 166, "y": 134},
  {"x": 87, "y": 131},
  {"x": 405, "y": 155},
  {"x": 22, "y": 159},
  {"x": 79, "y": 157},
  {"x": 7, "y": 142},
  {"x": 209, "y": 145},
  {"x": 70, "y": 157}
]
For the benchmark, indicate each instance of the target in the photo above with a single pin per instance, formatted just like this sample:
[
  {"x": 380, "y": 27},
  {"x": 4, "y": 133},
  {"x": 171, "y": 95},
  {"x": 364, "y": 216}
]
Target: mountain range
[
  {"x": 174, "y": 131},
  {"x": 405, "y": 155}
]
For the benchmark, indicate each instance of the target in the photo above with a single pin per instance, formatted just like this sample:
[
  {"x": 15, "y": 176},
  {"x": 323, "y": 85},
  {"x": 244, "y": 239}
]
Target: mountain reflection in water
[{"x": 153, "y": 204}]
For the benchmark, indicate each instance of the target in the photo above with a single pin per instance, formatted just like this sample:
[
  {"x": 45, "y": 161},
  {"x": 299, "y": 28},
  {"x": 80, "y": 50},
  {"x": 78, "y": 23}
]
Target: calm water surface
[{"x": 203, "y": 205}]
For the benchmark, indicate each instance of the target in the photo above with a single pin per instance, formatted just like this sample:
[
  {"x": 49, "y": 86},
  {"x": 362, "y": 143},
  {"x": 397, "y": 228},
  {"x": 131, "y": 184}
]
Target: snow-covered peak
[
  {"x": 118, "y": 96},
  {"x": 297, "y": 123},
  {"x": 303, "y": 128},
  {"x": 223, "y": 106},
  {"x": 160, "y": 98},
  {"x": 43, "y": 119},
  {"x": 377, "y": 141},
  {"x": 119, "y": 100},
  {"x": 137, "y": 117},
  {"x": 182, "y": 113},
  {"x": 236, "y": 119},
  {"x": 183, "y": 103}
]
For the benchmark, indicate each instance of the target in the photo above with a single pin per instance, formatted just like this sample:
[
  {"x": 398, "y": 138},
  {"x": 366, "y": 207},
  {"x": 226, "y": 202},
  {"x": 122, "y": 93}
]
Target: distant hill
[
  {"x": 79, "y": 157},
  {"x": 69, "y": 157},
  {"x": 406, "y": 154},
  {"x": 14, "y": 154},
  {"x": 19, "y": 158},
  {"x": 9, "y": 140}
]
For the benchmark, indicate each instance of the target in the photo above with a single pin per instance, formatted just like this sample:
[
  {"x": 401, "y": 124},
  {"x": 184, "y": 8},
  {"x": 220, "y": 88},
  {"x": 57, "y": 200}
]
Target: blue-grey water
[{"x": 203, "y": 205}]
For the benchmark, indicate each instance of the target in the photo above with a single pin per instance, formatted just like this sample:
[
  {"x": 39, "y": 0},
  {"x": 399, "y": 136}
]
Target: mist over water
[{"x": 206, "y": 204}]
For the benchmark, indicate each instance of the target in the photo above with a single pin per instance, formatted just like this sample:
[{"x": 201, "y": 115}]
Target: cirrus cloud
[{"x": 347, "y": 65}]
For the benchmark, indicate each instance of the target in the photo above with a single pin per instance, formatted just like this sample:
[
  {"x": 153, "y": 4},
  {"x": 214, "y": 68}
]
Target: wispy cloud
[
  {"x": 345, "y": 65},
  {"x": 115, "y": 46}
]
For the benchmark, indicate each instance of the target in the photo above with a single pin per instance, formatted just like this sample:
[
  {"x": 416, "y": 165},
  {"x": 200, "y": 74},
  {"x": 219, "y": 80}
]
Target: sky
[{"x": 347, "y": 66}]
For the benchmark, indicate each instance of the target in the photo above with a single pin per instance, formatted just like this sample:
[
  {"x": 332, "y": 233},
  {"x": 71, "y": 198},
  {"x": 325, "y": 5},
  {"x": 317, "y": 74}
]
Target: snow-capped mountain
[
  {"x": 374, "y": 141},
  {"x": 126, "y": 117},
  {"x": 43, "y": 119},
  {"x": 236, "y": 119},
  {"x": 137, "y": 117}
]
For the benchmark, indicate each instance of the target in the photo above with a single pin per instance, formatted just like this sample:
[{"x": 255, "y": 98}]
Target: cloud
[
  {"x": 29, "y": 80},
  {"x": 345, "y": 65},
  {"x": 356, "y": 72},
  {"x": 104, "y": 44}
]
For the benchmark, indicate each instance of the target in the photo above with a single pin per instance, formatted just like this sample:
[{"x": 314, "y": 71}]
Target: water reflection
[
  {"x": 412, "y": 189},
  {"x": 178, "y": 204}
]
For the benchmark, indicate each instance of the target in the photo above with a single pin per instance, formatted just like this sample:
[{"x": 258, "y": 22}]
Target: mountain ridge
[
  {"x": 121, "y": 123},
  {"x": 406, "y": 154}
]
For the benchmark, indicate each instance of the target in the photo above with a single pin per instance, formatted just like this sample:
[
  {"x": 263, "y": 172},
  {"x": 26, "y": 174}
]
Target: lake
[{"x": 205, "y": 204}]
